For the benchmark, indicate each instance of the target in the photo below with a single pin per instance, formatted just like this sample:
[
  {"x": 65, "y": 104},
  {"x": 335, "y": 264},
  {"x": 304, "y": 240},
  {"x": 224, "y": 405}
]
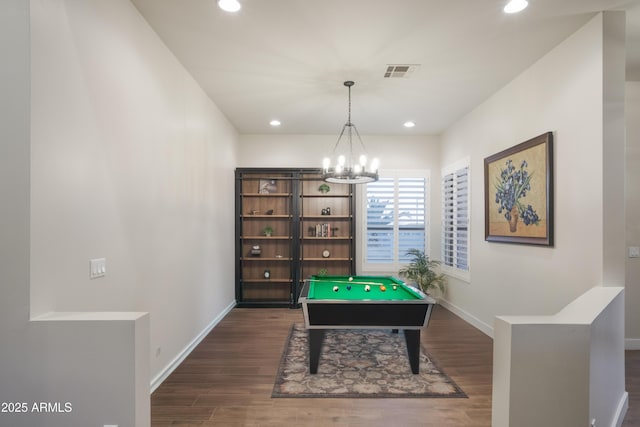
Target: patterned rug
[{"x": 358, "y": 363}]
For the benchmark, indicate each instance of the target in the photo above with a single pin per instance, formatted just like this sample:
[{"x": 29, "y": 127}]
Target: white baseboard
[
  {"x": 472, "y": 320},
  {"x": 621, "y": 411},
  {"x": 629, "y": 344},
  {"x": 632, "y": 344},
  {"x": 155, "y": 383}
]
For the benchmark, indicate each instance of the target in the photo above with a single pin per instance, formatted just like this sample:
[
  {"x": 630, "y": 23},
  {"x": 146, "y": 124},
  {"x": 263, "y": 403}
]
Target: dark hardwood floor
[
  {"x": 632, "y": 369},
  {"x": 227, "y": 380}
]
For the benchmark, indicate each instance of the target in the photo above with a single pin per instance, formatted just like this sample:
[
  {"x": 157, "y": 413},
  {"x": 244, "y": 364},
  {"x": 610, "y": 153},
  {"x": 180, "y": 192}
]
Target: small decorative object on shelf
[
  {"x": 268, "y": 231},
  {"x": 269, "y": 212},
  {"x": 326, "y": 253},
  {"x": 326, "y": 211},
  {"x": 267, "y": 186},
  {"x": 324, "y": 188},
  {"x": 253, "y": 212},
  {"x": 267, "y": 274},
  {"x": 322, "y": 272},
  {"x": 256, "y": 250}
]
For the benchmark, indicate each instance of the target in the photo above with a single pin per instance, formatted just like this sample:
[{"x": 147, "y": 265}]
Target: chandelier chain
[{"x": 349, "y": 119}]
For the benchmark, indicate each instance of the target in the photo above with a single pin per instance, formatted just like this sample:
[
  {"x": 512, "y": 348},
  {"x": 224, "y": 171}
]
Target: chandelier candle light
[{"x": 347, "y": 170}]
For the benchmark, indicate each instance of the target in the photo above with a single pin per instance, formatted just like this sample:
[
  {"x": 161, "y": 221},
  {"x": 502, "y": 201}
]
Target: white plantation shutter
[
  {"x": 455, "y": 218},
  {"x": 396, "y": 219},
  {"x": 380, "y": 220},
  {"x": 411, "y": 215}
]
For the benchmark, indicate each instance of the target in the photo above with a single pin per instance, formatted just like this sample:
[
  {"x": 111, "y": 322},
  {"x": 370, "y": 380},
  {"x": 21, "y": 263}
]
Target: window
[
  {"x": 455, "y": 217},
  {"x": 395, "y": 219}
]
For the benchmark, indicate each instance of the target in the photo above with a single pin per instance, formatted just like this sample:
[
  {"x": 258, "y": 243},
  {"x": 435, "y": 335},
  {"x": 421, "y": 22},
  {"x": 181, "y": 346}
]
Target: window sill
[{"x": 464, "y": 276}]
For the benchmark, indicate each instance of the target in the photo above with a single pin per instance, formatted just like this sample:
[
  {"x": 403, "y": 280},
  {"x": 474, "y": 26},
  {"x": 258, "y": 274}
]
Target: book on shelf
[{"x": 323, "y": 230}]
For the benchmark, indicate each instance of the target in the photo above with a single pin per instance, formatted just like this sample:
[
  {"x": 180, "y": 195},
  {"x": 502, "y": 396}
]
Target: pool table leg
[
  {"x": 316, "y": 336},
  {"x": 412, "y": 337}
]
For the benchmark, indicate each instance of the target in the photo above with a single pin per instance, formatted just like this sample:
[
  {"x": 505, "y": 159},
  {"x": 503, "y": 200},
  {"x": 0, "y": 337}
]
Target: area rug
[{"x": 359, "y": 363}]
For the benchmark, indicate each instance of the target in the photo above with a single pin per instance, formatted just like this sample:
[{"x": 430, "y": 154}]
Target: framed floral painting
[{"x": 518, "y": 193}]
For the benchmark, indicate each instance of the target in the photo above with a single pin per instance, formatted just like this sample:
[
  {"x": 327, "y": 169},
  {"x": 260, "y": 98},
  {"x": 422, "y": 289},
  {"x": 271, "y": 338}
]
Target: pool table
[{"x": 363, "y": 302}]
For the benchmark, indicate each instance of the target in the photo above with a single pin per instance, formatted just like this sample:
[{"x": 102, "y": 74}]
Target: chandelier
[{"x": 350, "y": 166}]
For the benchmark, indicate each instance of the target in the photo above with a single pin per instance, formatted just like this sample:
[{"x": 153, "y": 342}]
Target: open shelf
[{"x": 298, "y": 206}]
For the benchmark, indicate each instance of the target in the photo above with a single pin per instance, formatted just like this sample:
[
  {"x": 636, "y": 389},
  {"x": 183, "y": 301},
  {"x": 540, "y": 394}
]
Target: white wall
[
  {"x": 613, "y": 195},
  {"x": 130, "y": 161},
  {"x": 394, "y": 152},
  {"x": 307, "y": 151},
  {"x": 562, "y": 370},
  {"x": 562, "y": 93},
  {"x": 96, "y": 364},
  {"x": 109, "y": 149},
  {"x": 632, "y": 186},
  {"x": 15, "y": 334}
]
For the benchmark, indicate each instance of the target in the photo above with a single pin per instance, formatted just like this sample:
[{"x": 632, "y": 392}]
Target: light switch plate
[
  {"x": 634, "y": 252},
  {"x": 97, "y": 268}
]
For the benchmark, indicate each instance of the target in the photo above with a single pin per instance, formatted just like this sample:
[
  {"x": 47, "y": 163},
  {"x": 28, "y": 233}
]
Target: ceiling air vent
[{"x": 400, "y": 71}]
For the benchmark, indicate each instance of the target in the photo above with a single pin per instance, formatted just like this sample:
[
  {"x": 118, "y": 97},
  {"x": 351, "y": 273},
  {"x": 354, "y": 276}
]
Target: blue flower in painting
[
  {"x": 529, "y": 216},
  {"x": 513, "y": 185}
]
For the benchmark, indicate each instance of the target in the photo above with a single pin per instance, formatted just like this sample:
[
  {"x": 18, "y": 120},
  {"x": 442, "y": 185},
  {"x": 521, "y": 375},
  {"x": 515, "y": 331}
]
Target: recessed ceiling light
[
  {"x": 409, "y": 124},
  {"x": 275, "y": 123},
  {"x": 515, "y": 6},
  {"x": 229, "y": 5}
]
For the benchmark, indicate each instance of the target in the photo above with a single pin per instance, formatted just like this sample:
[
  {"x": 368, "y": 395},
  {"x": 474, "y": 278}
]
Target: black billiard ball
[
  {"x": 335, "y": 289},
  {"x": 367, "y": 288}
]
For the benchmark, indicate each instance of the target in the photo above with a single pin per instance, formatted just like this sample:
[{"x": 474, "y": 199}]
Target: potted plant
[
  {"x": 421, "y": 271},
  {"x": 268, "y": 231},
  {"x": 324, "y": 188}
]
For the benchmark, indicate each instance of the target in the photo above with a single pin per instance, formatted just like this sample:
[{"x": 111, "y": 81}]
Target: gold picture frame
[{"x": 518, "y": 193}]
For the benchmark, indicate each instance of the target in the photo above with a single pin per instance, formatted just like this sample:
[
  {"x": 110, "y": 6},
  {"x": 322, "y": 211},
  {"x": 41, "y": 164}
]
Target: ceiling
[{"x": 288, "y": 59}]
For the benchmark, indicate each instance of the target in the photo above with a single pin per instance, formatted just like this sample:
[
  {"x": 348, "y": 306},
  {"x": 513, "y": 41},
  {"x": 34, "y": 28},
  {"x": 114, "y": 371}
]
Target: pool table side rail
[
  {"x": 365, "y": 314},
  {"x": 369, "y": 316}
]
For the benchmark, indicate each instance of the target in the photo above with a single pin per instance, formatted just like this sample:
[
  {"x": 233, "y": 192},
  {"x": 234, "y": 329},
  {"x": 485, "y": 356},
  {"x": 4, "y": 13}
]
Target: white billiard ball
[
  {"x": 367, "y": 288},
  {"x": 351, "y": 279}
]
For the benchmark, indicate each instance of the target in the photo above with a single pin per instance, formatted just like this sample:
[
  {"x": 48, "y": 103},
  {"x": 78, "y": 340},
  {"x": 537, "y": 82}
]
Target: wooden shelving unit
[
  {"x": 326, "y": 227},
  {"x": 313, "y": 233}
]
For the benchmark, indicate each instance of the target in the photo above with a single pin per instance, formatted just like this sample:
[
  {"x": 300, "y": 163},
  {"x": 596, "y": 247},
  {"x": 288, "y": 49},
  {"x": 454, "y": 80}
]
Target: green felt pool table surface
[{"x": 353, "y": 288}]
